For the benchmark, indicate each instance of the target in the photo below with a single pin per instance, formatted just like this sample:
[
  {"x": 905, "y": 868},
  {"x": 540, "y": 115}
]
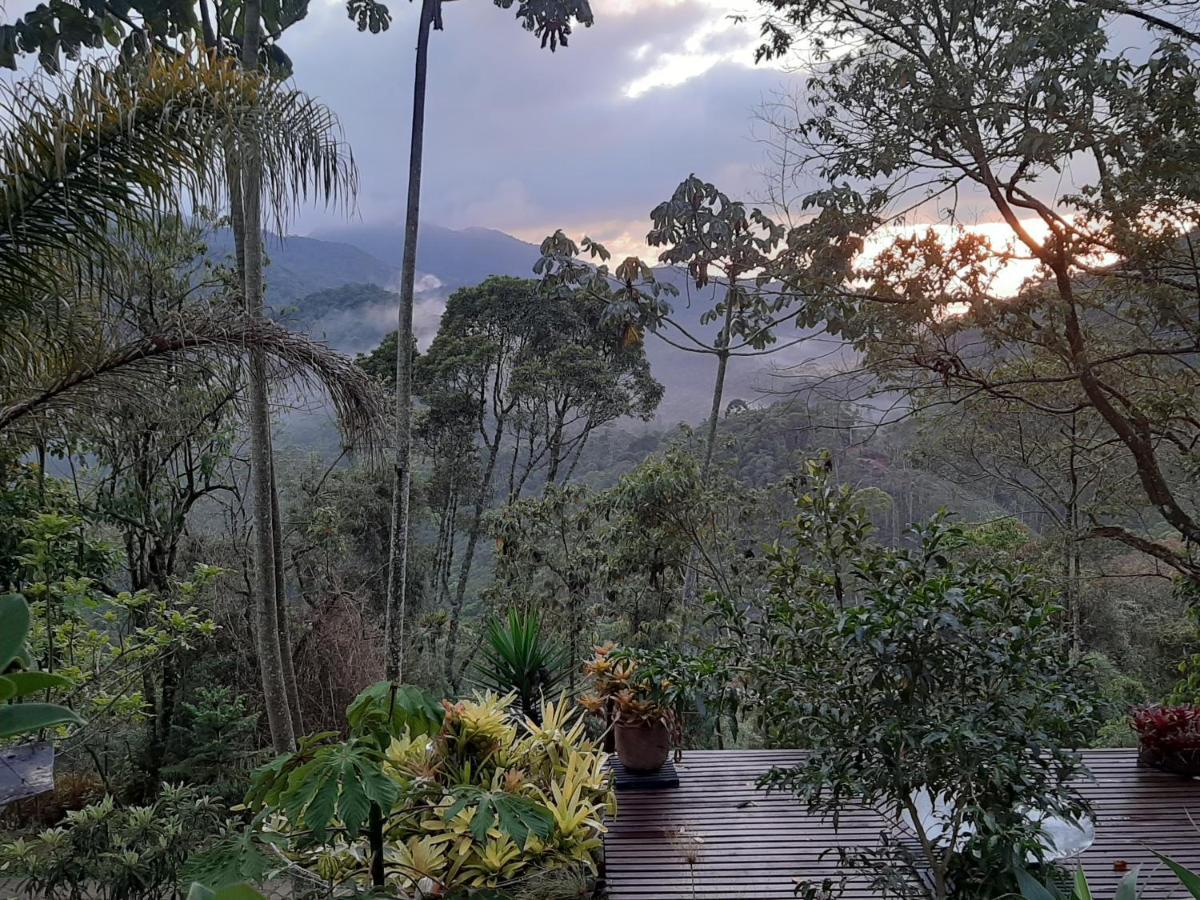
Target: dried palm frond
[
  {"x": 136, "y": 373},
  {"x": 115, "y": 142}
]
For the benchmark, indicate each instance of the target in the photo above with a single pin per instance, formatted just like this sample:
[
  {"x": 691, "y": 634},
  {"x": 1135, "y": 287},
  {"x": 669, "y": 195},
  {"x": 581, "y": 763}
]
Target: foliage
[
  {"x": 515, "y": 384},
  {"x": 1032, "y": 889},
  {"x": 1168, "y": 729},
  {"x": 210, "y": 735},
  {"x": 116, "y": 853},
  {"x": 914, "y": 104},
  {"x": 721, "y": 244},
  {"x": 517, "y": 659},
  {"x": 1187, "y": 688},
  {"x": 919, "y": 673},
  {"x": 18, "y": 681},
  {"x": 121, "y": 142},
  {"x": 232, "y": 892},
  {"x": 622, "y": 691},
  {"x": 478, "y": 799},
  {"x": 102, "y": 643}
]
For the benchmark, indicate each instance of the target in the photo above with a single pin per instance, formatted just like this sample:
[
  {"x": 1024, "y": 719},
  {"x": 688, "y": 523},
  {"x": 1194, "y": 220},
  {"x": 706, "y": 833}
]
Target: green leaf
[
  {"x": 23, "y": 718},
  {"x": 1083, "y": 890},
  {"x": 386, "y": 710},
  {"x": 1127, "y": 889},
  {"x": 7, "y": 688},
  {"x": 1032, "y": 889},
  {"x": 235, "y": 859},
  {"x": 516, "y": 816},
  {"x": 1187, "y": 877},
  {"x": 341, "y": 780},
  {"x": 27, "y": 683},
  {"x": 14, "y": 625}
]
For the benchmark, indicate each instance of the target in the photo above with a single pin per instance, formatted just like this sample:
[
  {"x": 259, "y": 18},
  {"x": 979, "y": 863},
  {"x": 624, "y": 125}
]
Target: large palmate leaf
[
  {"x": 238, "y": 857},
  {"x": 386, "y": 710},
  {"x": 516, "y": 816},
  {"x": 338, "y": 784}
]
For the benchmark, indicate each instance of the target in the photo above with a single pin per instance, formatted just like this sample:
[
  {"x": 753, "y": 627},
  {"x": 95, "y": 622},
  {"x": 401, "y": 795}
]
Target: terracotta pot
[{"x": 643, "y": 748}]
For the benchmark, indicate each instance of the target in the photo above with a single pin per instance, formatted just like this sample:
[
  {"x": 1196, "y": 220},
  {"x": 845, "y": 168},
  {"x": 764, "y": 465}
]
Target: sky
[{"x": 589, "y": 138}]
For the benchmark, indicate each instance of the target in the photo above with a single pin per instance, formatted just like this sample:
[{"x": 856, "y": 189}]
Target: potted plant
[
  {"x": 1169, "y": 738},
  {"x": 634, "y": 704}
]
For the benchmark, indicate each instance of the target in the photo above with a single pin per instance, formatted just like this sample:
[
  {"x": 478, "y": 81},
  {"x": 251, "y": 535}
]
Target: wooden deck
[{"x": 754, "y": 846}]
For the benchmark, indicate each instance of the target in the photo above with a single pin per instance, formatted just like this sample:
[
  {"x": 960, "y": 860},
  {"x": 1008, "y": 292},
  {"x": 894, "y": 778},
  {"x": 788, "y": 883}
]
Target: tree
[
  {"x": 515, "y": 370},
  {"x": 1060, "y": 471},
  {"x": 119, "y": 144},
  {"x": 909, "y": 674},
  {"x": 719, "y": 243},
  {"x": 552, "y": 22},
  {"x": 87, "y": 167},
  {"x": 1084, "y": 152}
]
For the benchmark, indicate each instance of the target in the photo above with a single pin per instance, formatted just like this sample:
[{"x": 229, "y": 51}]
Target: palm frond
[
  {"x": 115, "y": 142},
  {"x": 138, "y": 371}
]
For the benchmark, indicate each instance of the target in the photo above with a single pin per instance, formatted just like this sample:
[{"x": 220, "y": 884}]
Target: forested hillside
[{"x": 352, "y": 565}]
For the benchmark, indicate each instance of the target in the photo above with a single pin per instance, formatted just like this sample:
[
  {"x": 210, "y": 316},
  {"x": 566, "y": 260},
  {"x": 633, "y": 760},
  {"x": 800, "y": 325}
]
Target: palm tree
[{"x": 115, "y": 145}]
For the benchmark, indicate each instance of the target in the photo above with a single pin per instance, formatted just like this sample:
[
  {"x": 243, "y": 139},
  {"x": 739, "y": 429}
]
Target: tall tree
[
  {"x": 516, "y": 378},
  {"x": 724, "y": 246},
  {"x": 734, "y": 252},
  {"x": 90, "y": 162},
  {"x": 299, "y": 143},
  {"x": 1087, "y": 154},
  {"x": 551, "y": 21}
]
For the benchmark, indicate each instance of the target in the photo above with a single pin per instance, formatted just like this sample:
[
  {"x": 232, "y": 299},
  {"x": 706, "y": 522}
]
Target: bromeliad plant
[
  {"x": 1169, "y": 737},
  {"x": 622, "y": 691},
  {"x": 429, "y": 799}
]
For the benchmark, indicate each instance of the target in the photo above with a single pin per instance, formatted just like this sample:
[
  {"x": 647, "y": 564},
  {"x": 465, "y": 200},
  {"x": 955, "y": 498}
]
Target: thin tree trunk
[
  {"x": 464, "y": 571},
  {"x": 275, "y": 698},
  {"x": 281, "y": 612},
  {"x": 397, "y": 587},
  {"x": 714, "y": 416},
  {"x": 691, "y": 577}
]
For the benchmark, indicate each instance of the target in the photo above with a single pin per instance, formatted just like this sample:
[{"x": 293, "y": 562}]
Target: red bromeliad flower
[{"x": 1168, "y": 728}]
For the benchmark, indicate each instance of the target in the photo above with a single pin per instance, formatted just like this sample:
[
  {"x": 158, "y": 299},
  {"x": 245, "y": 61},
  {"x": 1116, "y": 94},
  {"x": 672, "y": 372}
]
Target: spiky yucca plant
[{"x": 516, "y": 658}]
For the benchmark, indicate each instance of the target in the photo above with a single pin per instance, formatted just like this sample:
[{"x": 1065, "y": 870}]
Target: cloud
[
  {"x": 526, "y": 141},
  {"x": 718, "y": 33}
]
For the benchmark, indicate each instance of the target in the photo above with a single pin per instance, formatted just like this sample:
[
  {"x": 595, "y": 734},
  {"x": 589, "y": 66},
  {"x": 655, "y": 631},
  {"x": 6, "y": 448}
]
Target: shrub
[
  {"x": 108, "y": 852},
  {"x": 450, "y": 798},
  {"x": 1168, "y": 728},
  {"x": 907, "y": 671}
]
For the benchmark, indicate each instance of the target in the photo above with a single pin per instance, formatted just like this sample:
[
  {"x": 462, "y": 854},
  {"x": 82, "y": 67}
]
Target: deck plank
[{"x": 756, "y": 846}]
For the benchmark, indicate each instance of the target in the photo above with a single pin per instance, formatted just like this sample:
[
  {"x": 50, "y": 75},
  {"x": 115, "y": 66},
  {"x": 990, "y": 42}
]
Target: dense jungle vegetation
[{"x": 964, "y": 541}]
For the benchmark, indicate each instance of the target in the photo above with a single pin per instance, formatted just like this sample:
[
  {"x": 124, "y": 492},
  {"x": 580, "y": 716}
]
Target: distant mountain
[
  {"x": 458, "y": 258},
  {"x": 339, "y": 286},
  {"x": 298, "y": 266}
]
